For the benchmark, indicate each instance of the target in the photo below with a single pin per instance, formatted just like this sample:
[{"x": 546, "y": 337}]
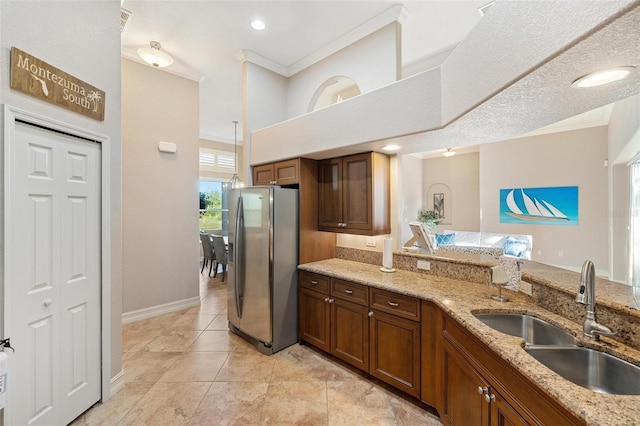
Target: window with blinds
[{"x": 219, "y": 161}]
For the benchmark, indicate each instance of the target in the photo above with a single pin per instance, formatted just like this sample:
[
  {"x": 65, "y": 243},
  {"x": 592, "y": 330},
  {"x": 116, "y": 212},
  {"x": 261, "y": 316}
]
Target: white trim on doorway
[{"x": 11, "y": 115}]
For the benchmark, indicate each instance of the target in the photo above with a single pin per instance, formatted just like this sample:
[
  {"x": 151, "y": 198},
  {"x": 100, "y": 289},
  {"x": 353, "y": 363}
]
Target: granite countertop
[{"x": 461, "y": 299}]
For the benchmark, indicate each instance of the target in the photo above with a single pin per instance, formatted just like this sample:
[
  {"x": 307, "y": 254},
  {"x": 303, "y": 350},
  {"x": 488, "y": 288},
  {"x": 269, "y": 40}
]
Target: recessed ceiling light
[
  {"x": 449, "y": 153},
  {"x": 257, "y": 24},
  {"x": 603, "y": 77},
  {"x": 391, "y": 147}
]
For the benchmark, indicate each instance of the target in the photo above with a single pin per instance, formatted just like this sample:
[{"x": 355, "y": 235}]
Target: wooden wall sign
[{"x": 37, "y": 78}]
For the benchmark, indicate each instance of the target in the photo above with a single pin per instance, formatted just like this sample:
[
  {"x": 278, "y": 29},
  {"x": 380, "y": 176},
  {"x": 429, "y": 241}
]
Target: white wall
[
  {"x": 460, "y": 174},
  {"x": 624, "y": 145},
  {"x": 379, "y": 52},
  {"x": 559, "y": 159},
  {"x": 264, "y": 96},
  {"x": 160, "y": 190},
  {"x": 82, "y": 39}
]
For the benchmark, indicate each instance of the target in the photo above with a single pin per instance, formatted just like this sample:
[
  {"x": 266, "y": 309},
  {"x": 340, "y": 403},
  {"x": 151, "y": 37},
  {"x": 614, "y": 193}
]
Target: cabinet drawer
[
  {"x": 396, "y": 304},
  {"x": 347, "y": 290},
  {"x": 314, "y": 281}
]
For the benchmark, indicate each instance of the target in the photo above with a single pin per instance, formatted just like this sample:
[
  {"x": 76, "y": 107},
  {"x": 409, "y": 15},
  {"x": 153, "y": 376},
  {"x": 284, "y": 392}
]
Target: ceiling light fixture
[
  {"x": 449, "y": 153},
  {"x": 603, "y": 77},
  {"x": 235, "y": 181},
  {"x": 154, "y": 56},
  {"x": 392, "y": 147},
  {"x": 257, "y": 24}
]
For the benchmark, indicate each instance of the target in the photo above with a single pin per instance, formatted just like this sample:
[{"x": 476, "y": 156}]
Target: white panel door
[{"x": 52, "y": 293}]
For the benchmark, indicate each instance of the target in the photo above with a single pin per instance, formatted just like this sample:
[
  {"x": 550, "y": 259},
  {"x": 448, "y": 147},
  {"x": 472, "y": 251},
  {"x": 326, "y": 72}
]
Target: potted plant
[{"x": 430, "y": 219}]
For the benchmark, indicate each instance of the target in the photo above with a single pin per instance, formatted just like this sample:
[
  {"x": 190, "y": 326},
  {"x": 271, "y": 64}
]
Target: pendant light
[
  {"x": 154, "y": 56},
  {"x": 235, "y": 181}
]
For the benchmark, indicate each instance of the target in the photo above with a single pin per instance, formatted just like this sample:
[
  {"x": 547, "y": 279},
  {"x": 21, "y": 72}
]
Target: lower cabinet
[
  {"x": 376, "y": 331},
  {"x": 350, "y": 333},
  {"x": 314, "y": 318},
  {"x": 395, "y": 339},
  {"x": 395, "y": 352},
  {"x": 416, "y": 347},
  {"x": 479, "y": 389},
  {"x": 333, "y": 316}
]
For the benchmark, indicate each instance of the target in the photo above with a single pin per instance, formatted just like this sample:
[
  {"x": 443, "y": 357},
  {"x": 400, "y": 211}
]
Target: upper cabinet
[
  {"x": 353, "y": 194},
  {"x": 280, "y": 173}
]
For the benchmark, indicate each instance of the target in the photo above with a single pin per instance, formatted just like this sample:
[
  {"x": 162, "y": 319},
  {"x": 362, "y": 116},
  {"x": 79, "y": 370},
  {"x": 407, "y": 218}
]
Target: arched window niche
[{"x": 334, "y": 90}]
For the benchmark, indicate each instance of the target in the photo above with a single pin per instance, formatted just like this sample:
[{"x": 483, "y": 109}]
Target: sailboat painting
[{"x": 540, "y": 206}]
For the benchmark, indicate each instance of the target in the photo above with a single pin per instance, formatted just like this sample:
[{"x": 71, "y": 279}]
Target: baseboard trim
[
  {"x": 117, "y": 383},
  {"x": 153, "y": 311}
]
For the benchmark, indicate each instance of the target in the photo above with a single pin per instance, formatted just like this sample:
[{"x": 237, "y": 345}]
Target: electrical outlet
[
  {"x": 560, "y": 253},
  {"x": 526, "y": 288},
  {"x": 423, "y": 264},
  {"x": 371, "y": 242}
]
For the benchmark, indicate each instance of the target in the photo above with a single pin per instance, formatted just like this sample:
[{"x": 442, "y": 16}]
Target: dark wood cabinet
[
  {"x": 314, "y": 312},
  {"x": 463, "y": 391},
  {"x": 395, "y": 351},
  {"x": 503, "y": 414},
  {"x": 350, "y": 333},
  {"x": 334, "y": 317},
  {"x": 430, "y": 329},
  {"x": 280, "y": 173},
  {"x": 353, "y": 194},
  {"x": 477, "y": 387},
  {"x": 419, "y": 349},
  {"x": 471, "y": 400}
]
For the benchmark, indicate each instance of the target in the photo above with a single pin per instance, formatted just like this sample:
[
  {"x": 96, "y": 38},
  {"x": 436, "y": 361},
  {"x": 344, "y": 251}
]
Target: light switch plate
[{"x": 371, "y": 242}]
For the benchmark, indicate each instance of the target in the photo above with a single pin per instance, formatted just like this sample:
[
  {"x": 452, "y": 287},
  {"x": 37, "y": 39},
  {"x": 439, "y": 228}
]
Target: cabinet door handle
[
  {"x": 346, "y": 290},
  {"x": 482, "y": 390},
  {"x": 490, "y": 398},
  {"x": 314, "y": 282},
  {"x": 331, "y": 300},
  {"x": 326, "y": 299},
  {"x": 370, "y": 313},
  {"x": 394, "y": 304}
]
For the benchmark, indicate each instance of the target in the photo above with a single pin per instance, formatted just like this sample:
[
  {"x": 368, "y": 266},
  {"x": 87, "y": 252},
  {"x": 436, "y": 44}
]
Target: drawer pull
[
  {"x": 346, "y": 290},
  {"x": 394, "y": 304},
  {"x": 314, "y": 282}
]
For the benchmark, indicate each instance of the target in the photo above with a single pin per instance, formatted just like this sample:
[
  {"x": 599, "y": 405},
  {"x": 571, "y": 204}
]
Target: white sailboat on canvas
[{"x": 535, "y": 209}]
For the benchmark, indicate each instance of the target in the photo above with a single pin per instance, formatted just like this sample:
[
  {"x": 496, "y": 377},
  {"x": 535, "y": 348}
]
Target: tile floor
[{"x": 186, "y": 368}]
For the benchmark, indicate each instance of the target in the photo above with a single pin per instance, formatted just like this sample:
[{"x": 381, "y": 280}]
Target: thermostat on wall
[{"x": 167, "y": 147}]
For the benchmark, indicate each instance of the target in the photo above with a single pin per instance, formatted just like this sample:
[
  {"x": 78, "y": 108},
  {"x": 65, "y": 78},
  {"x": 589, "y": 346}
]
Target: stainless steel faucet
[{"x": 587, "y": 296}]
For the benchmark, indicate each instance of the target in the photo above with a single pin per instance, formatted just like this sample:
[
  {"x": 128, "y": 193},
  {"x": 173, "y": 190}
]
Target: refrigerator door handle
[{"x": 239, "y": 249}]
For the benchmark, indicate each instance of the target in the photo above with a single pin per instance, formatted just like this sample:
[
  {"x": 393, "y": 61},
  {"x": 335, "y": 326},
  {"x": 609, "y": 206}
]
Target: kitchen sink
[
  {"x": 590, "y": 369},
  {"x": 533, "y": 330}
]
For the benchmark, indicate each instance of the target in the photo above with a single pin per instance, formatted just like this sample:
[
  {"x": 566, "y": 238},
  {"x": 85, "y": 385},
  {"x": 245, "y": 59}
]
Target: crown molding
[
  {"x": 175, "y": 68},
  {"x": 396, "y": 13},
  {"x": 246, "y": 55}
]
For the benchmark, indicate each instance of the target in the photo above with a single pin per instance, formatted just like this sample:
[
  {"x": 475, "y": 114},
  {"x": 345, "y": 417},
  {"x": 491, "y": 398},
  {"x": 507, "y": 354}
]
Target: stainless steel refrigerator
[{"x": 262, "y": 291}]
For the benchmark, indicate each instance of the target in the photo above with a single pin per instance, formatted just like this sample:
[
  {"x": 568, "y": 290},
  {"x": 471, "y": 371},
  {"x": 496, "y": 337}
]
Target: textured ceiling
[{"x": 519, "y": 89}]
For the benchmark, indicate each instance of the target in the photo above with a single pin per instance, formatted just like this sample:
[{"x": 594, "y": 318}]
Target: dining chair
[
  {"x": 208, "y": 252},
  {"x": 220, "y": 248}
]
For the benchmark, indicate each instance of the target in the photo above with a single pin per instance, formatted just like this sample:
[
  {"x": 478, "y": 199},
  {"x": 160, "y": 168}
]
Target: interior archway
[{"x": 334, "y": 90}]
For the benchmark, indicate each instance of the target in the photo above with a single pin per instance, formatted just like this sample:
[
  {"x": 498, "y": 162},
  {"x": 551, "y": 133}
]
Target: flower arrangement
[{"x": 430, "y": 218}]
